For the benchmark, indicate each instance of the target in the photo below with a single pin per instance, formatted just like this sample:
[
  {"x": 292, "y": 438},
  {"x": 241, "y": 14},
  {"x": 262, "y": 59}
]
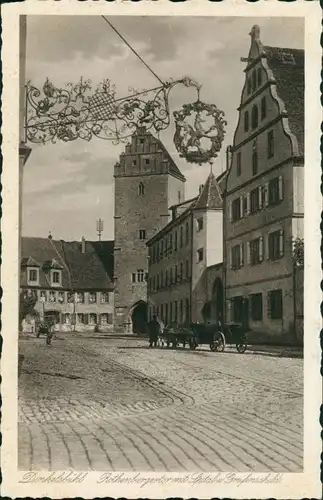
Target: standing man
[{"x": 154, "y": 331}]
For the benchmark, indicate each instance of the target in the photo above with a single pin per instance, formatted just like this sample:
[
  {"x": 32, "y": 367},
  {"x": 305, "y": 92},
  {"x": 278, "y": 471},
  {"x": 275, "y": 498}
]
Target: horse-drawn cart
[{"x": 214, "y": 335}]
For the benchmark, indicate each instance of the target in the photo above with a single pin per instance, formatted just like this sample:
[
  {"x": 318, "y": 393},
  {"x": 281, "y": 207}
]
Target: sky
[{"x": 68, "y": 186}]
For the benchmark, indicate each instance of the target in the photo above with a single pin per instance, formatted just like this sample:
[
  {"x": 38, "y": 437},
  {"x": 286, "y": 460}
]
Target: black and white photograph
[{"x": 162, "y": 247}]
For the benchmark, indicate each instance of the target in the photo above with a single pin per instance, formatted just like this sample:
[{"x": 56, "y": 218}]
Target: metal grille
[{"x": 102, "y": 106}]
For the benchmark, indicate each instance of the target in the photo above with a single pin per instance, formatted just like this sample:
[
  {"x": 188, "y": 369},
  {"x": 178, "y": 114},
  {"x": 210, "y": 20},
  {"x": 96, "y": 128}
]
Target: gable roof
[
  {"x": 210, "y": 197},
  {"x": 287, "y": 66},
  {"x": 91, "y": 270},
  {"x": 29, "y": 262},
  {"x": 172, "y": 167}
]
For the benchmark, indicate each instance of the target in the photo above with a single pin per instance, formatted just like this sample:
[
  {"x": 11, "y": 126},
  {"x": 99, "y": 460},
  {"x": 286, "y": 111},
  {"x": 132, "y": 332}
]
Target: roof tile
[
  {"x": 287, "y": 66},
  {"x": 91, "y": 270}
]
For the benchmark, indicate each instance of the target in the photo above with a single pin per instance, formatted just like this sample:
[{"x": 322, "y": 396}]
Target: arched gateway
[{"x": 138, "y": 315}]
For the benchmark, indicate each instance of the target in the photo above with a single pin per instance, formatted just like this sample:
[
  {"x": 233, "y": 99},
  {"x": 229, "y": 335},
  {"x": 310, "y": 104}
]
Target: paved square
[{"x": 114, "y": 404}]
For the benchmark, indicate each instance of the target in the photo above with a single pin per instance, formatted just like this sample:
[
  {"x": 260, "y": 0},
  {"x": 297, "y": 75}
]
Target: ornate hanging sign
[
  {"x": 81, "y": 112},
  {"x": 199, "y": 132}
]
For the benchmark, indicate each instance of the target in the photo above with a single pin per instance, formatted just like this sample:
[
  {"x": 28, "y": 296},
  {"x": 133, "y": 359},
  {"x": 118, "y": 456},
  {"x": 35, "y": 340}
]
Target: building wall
[
  {"x": 299, "y": 303},
  {"x": 199, "y": 242},
  {"x": 177, "y": 293},
  {"x": 144, "y": 164},
  {"x": 214, "y": 237},
  {"x": 214, "y": 274},
  {"x": 210, "y": 238},
  {"x": 67, "y": 308},
  {"x": 285, "y": 215}
]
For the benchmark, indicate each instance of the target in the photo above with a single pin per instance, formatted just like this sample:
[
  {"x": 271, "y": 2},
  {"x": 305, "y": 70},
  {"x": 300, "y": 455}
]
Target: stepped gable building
[
  {"x": 147, "y": 183},
  {"x": 264, "y": 198},
  {"x": 73, "y": 282},
  {"x": 179, "y": 256}
]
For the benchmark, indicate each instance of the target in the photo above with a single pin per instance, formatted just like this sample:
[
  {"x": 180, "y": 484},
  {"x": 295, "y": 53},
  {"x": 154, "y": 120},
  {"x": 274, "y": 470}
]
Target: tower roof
[
  {"x": 172, "y": 167},
  {"x": 210, "y": 197}
]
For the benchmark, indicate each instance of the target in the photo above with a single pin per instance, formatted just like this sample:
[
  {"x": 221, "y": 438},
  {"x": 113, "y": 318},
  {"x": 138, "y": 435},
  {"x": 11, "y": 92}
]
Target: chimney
[
  {"x": 83, "y": 245},
  {"x": 201, "y": 188}
]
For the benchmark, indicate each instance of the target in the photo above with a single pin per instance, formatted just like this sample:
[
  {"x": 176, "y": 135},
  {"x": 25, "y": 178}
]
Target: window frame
[
  {"x": 276, "y": 245},
  {"x": 270, "y": 144},
  {"x": 200, "y": 255},
  {"x": 106, "y": 295},
  {"x": 236, "y": 213},
  {"x": 255, "y": 252},
  {"x": 33, "y": 270},
  {"x": 254, "y": 117},
  {"x": 239, "y": 163},
  {"x": 58, "y": 273},
  {"x": 275, "y": 298},
  {"x": 246, "y": 121},
  {"x": 273, "y": 191},
  {"x": 256, "y": 306},
  {"x": 142, "y": 234},
  {"x": 200, "y": 223},
  {"x": 254, "y": 200}
]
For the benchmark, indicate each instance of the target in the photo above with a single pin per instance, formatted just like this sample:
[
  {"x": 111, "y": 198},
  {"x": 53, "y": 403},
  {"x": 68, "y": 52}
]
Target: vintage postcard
[{"x": 161, "y": 210}]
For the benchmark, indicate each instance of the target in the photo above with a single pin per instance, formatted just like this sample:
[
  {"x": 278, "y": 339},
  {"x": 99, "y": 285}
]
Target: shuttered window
[
  {"x": 256, "y": 251},
  {"x": 237, "y": 256},
  {"x": 275, "y": 304},
  {"x": 256, "y": 306},
  {"x": 276, "y": 245}
]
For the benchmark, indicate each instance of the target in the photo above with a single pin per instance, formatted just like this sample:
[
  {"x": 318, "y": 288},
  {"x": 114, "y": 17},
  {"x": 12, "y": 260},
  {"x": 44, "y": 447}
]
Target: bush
[
  {"x": 27, "y": 302},
  {"x": 298, "y": 252}
]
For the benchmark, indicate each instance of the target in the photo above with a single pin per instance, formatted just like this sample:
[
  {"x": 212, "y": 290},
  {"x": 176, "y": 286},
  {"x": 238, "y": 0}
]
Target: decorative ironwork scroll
[
  {"x": 78, "y": 111},
  {"x": 81, "y": 112},
  {"x": 201, "y": 140}
]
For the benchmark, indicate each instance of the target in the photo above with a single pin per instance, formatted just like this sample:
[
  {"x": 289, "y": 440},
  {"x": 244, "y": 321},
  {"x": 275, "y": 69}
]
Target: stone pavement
[{"x": 158, "y": 409}]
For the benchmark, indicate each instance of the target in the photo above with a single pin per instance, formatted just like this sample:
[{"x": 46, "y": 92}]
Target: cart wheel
[
  {"x": 218, "y": 344},
  {"x": 241, "y": 348}
]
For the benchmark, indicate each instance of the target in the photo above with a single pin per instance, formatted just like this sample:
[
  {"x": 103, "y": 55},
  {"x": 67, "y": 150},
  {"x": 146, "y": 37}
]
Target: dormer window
[
  {"x": 33, "y": 276},
  {"x": 288, "y": 58},
  {"x": 56, "y": 277}
]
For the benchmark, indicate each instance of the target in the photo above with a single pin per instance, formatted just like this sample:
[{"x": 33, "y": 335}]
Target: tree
[
  {"x": 298, "y": 252},
  {"x": 27, "y": 304}
]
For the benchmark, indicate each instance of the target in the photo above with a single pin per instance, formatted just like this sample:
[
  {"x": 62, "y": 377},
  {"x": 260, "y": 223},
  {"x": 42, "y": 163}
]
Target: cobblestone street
[{"x": 115, "y": 404}]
